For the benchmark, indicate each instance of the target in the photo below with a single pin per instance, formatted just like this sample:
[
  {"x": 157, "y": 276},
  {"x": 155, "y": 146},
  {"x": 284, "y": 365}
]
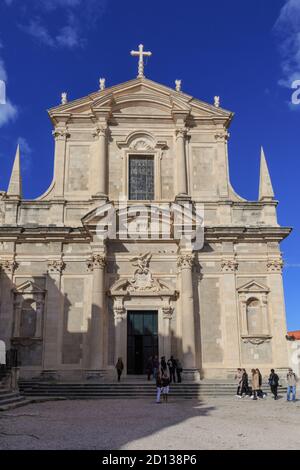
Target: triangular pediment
[
  {"x": 141, "y": 96},
  {"x": 253, "y": 286},
  {"x": 28, "y": 287}
]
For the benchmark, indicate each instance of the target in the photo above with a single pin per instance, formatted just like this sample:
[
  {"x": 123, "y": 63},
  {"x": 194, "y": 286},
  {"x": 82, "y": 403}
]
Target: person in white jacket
[{"x": 292, "y": 380}]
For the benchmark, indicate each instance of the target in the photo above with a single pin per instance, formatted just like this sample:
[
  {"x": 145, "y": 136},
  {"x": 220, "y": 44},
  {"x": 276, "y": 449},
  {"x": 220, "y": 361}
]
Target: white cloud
[
  {"x": 8, "y": 111},
  {"x": 25, "y": 152},
  {"x": 53, "y": 4},
  {"x": 24, "y": 146},
  {"x": 287, "y": 28},
  {"x": 36, "y": 29},
  {"x": 68, "y": 37},
  {"x": 59, "y": 23},
  {"x": 3, "y": 74}
]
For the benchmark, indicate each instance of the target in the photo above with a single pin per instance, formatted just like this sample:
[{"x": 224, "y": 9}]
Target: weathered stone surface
[{"x": 204, "y": 300}]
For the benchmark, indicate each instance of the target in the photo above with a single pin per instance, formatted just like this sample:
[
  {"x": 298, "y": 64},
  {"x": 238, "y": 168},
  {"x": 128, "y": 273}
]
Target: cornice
[{"x": 249, "y": 234}]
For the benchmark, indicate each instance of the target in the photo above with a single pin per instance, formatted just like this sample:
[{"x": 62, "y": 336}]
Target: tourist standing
[
  {"x": 239, "y": 377},
  {"x": 245, "y": 384},
  {"x": 260, "y": 393},
  {"x": 163, "y": 365},
  {"x": 291, "y": 379},
  {"x": 158, "y": 386},
  {"x": 165, "y": 386},
  {"x": 178, "y": 370},
  {"x": 119, "y": 367},
  {"x": 255, "y": 384},
  {"x": 172, "y": 367},
  {"x": 149, "y": 367},
  {"x": 273, "y": 382},
  {"x": 155, "y": 367}
]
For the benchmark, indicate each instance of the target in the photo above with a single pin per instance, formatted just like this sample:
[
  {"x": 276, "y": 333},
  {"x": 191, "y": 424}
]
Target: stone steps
[
  {"x": 125, "y": 390},
  {"x": 10, "y": 399}
]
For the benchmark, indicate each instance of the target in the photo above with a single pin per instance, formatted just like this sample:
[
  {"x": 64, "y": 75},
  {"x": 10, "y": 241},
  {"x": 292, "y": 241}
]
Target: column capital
[
  {"x": 229, "y": 265},
  {"x": 275, "y": 265},
  {"x": 119, "y": 313},
  {"x": 96, "y": 261},
  {"x": 181, "y": 132},
  {"x": 167, "y": 311},
  {"x": 185, "y": 261},
  {"x": 61, "y": 134},
  {"x": 9, "y": 265},
  {"x": 100, "y": 131},
  {"x": 56, "y": 266},
  {"x": 222, "y": 136}
]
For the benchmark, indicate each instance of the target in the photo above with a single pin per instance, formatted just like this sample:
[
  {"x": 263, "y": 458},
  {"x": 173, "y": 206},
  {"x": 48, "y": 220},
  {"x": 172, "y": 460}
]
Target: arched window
[
  {"x": 28, "y": 319},
  {"x": 254, "y": 318}
]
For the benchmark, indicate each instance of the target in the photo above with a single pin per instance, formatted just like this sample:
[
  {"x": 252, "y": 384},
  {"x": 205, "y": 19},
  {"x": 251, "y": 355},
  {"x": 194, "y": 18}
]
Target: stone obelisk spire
[
  {"x": 265, "y": 185},
  {"x": 15, "y": 183}
]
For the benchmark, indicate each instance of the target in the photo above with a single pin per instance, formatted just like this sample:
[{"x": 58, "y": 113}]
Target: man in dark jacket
[
  {"x": 163, "y": 365},
  {"x": 245, "y": 384},
  {"x": 172, "y": 367},
  {"x": 273, "y": 382}
]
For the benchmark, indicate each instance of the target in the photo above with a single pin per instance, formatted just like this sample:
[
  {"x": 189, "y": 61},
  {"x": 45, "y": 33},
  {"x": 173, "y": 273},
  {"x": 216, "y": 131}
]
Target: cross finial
[{"x": 141, "y": 53}]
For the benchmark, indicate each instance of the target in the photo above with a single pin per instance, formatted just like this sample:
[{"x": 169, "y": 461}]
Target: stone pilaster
[
  {"x": 120, "y": 317},
  {"x": 221, "y": 138},
  {"x": 100, "y": 177},
  {"x": 60, "y": 135},
  {"x": 167, "y": 313},
  {"x": 230, "y": 320},
  {"x": 97, "y": 265},
  {"x": 54, "y": 312},
  {"x": 185, "y": 264},
  {"x": 277, "y": 307},
  {"x": 181, "y": 162},
  {"x": 243, "y": 315},
  {"x": 7, "y": 269}
]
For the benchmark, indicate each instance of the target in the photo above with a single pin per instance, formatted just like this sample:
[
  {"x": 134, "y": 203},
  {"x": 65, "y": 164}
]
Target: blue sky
[{"x": 246, "y": 52}]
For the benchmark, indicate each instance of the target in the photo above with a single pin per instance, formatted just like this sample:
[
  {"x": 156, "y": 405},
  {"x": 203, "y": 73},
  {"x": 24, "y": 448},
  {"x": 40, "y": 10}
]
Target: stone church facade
[{"x": 76, "y": 295}]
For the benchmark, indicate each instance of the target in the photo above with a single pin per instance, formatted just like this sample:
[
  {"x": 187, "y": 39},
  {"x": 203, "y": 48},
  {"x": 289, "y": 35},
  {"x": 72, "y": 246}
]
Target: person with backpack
[
  {"x": 291, "y": 379},
  {"x": 274, "y": 382}
]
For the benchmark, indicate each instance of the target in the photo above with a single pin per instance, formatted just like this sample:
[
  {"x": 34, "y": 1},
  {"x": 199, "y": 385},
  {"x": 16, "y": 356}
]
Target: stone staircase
[
  {"x": 11, "y": 399},
  {"x": 125, "y": 389}
]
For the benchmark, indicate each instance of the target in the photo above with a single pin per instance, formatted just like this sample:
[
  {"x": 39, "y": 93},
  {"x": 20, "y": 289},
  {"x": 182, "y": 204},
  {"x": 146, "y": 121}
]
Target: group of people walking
[
  {"x": 255, "y": 391},
  {"x": 163, "y": 372},
  {"x": 161, "y": 375},
  {"x": 172, "y": 368}
]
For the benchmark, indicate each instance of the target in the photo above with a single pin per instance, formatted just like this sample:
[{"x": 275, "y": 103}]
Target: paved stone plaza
[{"x": 214, "y": 423}]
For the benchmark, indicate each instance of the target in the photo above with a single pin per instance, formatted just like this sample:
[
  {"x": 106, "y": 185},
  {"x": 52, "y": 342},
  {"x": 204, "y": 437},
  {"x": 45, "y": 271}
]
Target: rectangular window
[{"x": 141, "y": 177}]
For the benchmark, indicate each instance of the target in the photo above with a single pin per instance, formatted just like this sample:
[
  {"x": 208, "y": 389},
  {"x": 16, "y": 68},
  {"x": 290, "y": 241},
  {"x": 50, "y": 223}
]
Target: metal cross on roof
[{"x": 141, "y": 53}]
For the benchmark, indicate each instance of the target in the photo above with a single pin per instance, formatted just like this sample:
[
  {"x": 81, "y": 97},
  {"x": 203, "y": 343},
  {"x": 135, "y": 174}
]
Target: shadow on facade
[{"x": 48, "y": 330}]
